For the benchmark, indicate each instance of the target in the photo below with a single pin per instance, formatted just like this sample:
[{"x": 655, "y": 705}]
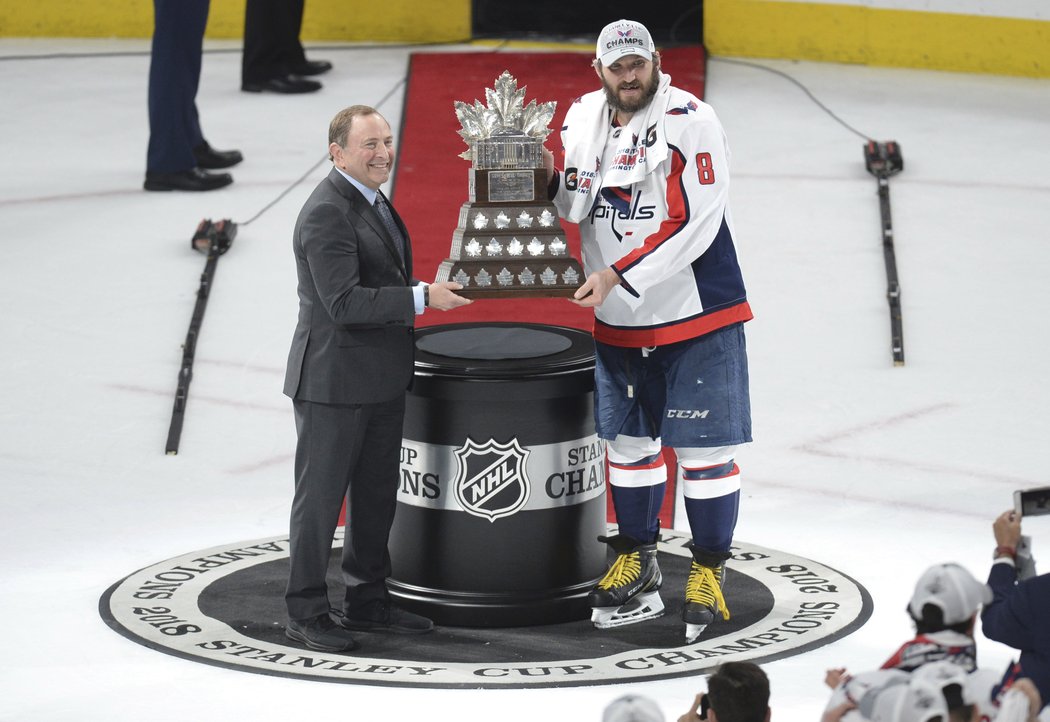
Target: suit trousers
[
  {"x": 174, "y": 74},
  {"x": 349, "y": 452},
  {"x": 271, "y": 39}
]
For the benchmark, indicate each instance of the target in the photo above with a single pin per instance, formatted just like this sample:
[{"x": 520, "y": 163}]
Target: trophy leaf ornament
[{"x": 504, "y": 112}]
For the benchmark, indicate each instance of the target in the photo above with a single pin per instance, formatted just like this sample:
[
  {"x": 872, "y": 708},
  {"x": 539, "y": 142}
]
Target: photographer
[
  {"x": 1019, "y": 614},
  {"x": 736, "y": 692}
]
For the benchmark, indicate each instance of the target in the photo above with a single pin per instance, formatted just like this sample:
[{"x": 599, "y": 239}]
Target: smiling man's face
[{"x": 368, "y": 153}]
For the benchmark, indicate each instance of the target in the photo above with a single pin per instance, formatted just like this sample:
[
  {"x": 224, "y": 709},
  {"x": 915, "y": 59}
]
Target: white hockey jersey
[{"x": 668, "y": 234}]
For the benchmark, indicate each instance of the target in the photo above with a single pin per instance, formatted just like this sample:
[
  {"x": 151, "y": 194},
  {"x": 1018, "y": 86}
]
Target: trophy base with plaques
[{"x": 509, "y": 242}]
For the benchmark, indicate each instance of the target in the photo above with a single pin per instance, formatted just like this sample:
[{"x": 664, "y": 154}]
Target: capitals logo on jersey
[
  {"x": 620, "y": 204},
  {"x": 491, "y": 482}
]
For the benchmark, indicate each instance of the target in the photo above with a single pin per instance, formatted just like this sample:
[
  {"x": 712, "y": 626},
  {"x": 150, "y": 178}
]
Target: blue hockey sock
[
  {"x": 638, "y": 509},
  {"x": 712, "y": 515}
]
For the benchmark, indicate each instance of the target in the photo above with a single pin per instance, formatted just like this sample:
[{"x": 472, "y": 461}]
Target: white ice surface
[{"x": 874, "y": 470}]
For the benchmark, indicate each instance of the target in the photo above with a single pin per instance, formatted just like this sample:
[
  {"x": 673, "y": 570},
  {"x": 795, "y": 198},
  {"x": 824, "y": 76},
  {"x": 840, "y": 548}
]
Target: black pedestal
[{"x": 503, "y": 486}]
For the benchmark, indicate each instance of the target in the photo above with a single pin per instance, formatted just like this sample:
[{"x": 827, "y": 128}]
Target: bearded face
[{"x": 630, "y": 83}]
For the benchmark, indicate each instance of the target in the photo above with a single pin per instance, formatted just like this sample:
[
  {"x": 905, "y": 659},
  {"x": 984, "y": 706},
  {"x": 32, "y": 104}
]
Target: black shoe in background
[
  {"x": 194, "y": 179},
  {"x": 211, "y": 159},
  {"x": 311, "y": 67},
  {"x": 320, "y": 633},
  {"x": 286, "y": 84},
  {"x": 382, "y": 616}
]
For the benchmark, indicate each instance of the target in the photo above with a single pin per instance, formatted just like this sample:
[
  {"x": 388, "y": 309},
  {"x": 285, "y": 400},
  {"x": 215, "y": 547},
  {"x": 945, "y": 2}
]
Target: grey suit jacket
[{"x": 353, "y": 343}]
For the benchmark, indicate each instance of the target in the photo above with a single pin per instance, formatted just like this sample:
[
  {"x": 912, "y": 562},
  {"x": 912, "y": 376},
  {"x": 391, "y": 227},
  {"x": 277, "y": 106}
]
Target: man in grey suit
[{"x": 350, "y": 364}]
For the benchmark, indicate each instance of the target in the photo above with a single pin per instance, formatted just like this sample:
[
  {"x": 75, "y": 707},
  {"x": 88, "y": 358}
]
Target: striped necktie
[{"x": 383, "y": 209}]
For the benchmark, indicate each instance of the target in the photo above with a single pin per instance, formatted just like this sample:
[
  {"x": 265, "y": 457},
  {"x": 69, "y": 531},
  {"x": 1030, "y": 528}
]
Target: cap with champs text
[{"x": 623, "y": 37}]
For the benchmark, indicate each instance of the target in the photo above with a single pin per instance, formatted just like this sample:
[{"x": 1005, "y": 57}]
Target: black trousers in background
[
  {"x": 350, "y": 452},
  {"x": 271, "y": 39},
  {"x": 174, "y": 74}
]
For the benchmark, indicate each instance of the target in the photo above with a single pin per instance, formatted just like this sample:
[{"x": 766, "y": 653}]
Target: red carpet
[{"x": 431, "y": 181}]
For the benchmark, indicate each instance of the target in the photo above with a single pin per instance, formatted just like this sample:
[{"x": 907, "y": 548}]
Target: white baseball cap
[
  {"x": 914, "y": 701},
  {"x": 632, "y": 708},
  {"x": 623, "y": 37},
  {"x": 942, "y": 673},
  {"x": 861, "y": 685},
  {"x": 953, "y": 589}
]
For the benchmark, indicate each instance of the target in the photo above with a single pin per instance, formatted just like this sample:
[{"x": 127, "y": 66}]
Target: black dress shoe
[
  {"x": 282, "y": 84},
  {"x": 208, "y": 157},
  {"x": 382, "y": 616},
  {"x": 319, "y": 633},
  {"x": 311, "y": 67},
  {"x": 194, "y": 179}
]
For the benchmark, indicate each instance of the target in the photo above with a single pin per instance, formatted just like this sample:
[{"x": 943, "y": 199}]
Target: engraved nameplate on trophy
[
  {"x": 509, "y": 242},
  {"x": 510, "y": 185}
]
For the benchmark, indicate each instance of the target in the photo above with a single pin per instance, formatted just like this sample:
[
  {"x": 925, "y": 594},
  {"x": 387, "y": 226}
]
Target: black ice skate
[
  {"x": 629, "y": 591},
  {"x": 703, "y": 591}
]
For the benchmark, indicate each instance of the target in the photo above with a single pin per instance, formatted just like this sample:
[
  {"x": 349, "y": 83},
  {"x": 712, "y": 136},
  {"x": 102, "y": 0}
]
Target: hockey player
[{"x": 646, "y": 178}]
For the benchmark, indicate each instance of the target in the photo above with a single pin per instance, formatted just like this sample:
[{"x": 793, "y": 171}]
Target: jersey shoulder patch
[{"x": 683, "y": 109}]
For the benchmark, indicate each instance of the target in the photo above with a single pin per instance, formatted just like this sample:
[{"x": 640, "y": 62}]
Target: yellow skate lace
[
  {"x": 704, "y": 586},
  {"x": 624, "y": 570}
]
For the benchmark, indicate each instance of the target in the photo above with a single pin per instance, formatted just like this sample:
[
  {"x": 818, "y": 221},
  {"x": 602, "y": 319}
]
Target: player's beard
[{"x": 650, "y": 88}]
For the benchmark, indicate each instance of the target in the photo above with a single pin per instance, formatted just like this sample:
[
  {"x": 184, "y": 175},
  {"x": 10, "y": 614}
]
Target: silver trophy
[{"x": 509, "y": 242}]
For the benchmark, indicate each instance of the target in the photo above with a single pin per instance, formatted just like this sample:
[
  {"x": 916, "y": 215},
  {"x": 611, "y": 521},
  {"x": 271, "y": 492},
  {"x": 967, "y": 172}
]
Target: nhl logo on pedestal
[{"x": 491, "y": 482}]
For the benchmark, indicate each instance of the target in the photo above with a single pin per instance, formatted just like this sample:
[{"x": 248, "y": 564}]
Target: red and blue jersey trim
[
  {"x": 677, "y": 215},
  {"x": 673, "y": 332},
  {"x": 717, "y": 275}
]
